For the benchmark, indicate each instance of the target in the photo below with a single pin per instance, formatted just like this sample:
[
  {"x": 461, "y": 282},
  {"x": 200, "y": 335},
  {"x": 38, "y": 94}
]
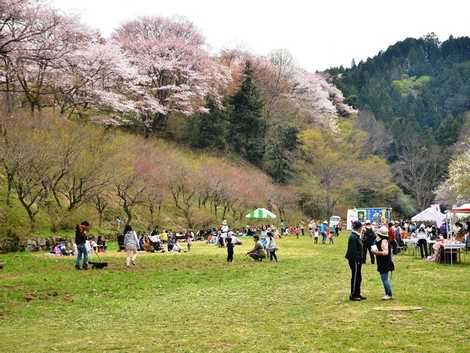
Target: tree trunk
[
  {"x": 31, "y": 216},
  {"x": 9, "y": 189},
  {"x": 187, "y": 215},
  {"x": 128, "y": 213},
  {"x": 152, "y": 216},
  {"x": 224, "y": 212},
  {"x": 8, "y": 96},
  {"x": 100, "y": 218}
]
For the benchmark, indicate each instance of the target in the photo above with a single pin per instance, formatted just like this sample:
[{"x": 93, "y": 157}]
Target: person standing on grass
[
  {"x": 224, "y": 229},
  {"x": 331, "y": 234},
  {"x": 271, "y": 246},
  {"x": 384, "y": 260},
  {"x": 337, "y": 230},
  {"x": 354, "y": 256},
  {"x": 283, "y": 228},
  {"x": 311, "y": 229},
  {"x": 316, "y": 235},
  {"x": 422, "y": 243},
  {"x": 189, "y": 240},
  {"x": 80, "y": 240},
  {"x": 230, "y": 247},
  {"x": 131, "y": 242},
  {"x": 257, "y": 253},
  {"x": 392, "y": 237},
  {"x": 369, "y": 240},
  {"x": 323, "y": 229}
]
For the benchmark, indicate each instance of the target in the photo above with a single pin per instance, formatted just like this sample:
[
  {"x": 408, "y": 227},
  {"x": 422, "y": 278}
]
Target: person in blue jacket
[{"x": 323, "y": 229}]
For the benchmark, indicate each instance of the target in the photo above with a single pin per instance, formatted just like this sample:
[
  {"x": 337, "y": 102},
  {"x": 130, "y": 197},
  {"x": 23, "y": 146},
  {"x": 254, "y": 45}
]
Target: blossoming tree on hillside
[{"x": 174, "y": 70}]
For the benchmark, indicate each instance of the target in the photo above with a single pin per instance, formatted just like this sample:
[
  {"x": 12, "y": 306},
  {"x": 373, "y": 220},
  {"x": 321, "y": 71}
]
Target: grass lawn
[{"x": 195, "y": 302}]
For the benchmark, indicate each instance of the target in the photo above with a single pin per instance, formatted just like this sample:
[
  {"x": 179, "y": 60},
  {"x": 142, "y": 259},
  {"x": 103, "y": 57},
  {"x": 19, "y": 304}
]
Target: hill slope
[
  {"x": 420, "y": 90},
  {"x": 421, "y": 80}
]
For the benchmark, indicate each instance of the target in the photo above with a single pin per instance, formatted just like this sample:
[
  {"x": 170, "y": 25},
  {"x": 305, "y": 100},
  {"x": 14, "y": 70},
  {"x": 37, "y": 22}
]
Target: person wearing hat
[
  {"x": 368, "y": 240},
  {"x": 383, "y": 253},
  {"x": 354, "y": 255}
]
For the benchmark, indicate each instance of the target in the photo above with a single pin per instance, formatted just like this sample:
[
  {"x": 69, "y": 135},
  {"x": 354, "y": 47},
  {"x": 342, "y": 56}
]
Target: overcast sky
[{"x": 319, "y": 33}]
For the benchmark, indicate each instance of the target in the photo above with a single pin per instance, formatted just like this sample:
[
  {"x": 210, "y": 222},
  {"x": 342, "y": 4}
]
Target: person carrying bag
[{"x": 383, "y": 252}]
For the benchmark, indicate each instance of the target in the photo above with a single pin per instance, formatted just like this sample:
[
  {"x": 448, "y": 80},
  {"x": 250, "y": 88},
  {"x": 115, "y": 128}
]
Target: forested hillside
[
  {"x": 419, "y": 89},
  {"x": 149, "y": 126}
]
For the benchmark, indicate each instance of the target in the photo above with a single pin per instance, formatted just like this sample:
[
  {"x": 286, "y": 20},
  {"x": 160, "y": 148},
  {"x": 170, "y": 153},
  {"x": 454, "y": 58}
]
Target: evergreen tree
[
  {"x": 247, "y": 127},
  {"x": 280, "y": 146},
  {"x": 208, "y": 129}
]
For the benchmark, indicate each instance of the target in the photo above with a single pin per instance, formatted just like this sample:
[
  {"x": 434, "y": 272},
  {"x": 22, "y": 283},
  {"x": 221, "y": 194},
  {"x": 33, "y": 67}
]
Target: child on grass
[
  {"x": 271, "y": 246},
  {"x": 230, "y": 247}
]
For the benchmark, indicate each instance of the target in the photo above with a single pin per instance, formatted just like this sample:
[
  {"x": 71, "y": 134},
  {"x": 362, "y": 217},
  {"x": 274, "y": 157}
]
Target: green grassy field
[{"x": 195, "y": 302}]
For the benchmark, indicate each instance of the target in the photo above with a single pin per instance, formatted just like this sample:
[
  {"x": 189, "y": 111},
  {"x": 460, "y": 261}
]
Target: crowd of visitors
[
  {"x": 167, "y": 240},
  {"x": 427, "y": 237},
  {"x": 327, "y": 231},
  {"x": 378, "y": 242}
]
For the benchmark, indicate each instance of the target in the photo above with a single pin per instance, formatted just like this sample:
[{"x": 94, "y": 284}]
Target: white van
[{"x": 334, "y": 221}]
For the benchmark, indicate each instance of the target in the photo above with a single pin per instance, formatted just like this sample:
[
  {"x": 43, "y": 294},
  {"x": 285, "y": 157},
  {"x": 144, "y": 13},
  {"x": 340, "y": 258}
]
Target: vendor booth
[
  {"x": 452, "y": 216},
  {"x": 430, "y": 215}
]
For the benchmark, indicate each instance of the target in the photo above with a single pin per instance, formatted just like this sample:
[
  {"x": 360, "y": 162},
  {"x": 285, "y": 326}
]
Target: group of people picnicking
[
  {"x": 264, "y": 237},
  {"x": 168, "y": 240},
  {"x": 264, "y": 245},
  {"x": 380, "y": 242}
]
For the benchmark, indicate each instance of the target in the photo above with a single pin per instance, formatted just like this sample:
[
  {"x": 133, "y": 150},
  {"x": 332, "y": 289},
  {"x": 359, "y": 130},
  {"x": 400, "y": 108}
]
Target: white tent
[
  {"x": 465, "y": 208},
  {"x": 431, "y": 214}
]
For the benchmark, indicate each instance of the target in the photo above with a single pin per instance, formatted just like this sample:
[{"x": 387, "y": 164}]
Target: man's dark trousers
[{"x": 356, "y": 278}]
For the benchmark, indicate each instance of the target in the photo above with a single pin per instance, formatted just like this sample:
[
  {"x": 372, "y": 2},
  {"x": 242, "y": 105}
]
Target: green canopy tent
[{"x": 260, "y": 213}]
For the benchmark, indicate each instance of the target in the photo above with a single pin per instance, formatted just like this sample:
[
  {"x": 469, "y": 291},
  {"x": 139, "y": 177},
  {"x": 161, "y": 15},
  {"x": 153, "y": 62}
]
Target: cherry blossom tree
[
  {"x": 174, "y": 70},
  {"x": 35, "y": 60},
  {"x": 96, "y": 75},
  {"x": 459, "y": 174},
  {"x": 21, "y": 21},
  {"x": 318, "y": 101}
]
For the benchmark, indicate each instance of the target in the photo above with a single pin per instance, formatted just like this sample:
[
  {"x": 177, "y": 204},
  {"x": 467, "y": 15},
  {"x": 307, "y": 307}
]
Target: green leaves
[{"x": 247, "y": 127}]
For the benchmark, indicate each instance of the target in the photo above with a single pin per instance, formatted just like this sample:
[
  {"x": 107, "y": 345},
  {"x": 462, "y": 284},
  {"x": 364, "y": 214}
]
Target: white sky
[{"x": 318, "y": 33}]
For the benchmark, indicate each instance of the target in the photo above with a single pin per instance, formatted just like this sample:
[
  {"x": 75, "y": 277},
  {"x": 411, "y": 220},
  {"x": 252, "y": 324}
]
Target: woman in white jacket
[
  {"x": 422, "y": 243},
  {"x": 131, "y": 243},
  {"x": 271, "y": 247}
]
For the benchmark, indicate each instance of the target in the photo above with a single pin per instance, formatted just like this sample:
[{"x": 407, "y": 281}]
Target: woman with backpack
[
  {"x": 131, "y": 243},
  {"x": 383, "y": 252}
]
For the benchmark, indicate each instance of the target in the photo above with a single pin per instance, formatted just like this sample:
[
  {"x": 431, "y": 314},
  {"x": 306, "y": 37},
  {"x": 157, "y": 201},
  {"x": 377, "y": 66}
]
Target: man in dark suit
[
  {"x": 368, "y": 239},
  {"x": 354, "y": 255}
]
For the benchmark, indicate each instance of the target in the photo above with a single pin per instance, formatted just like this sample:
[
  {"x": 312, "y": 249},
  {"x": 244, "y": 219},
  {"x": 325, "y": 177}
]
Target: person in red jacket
[{"x": 392, "y": 238}]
